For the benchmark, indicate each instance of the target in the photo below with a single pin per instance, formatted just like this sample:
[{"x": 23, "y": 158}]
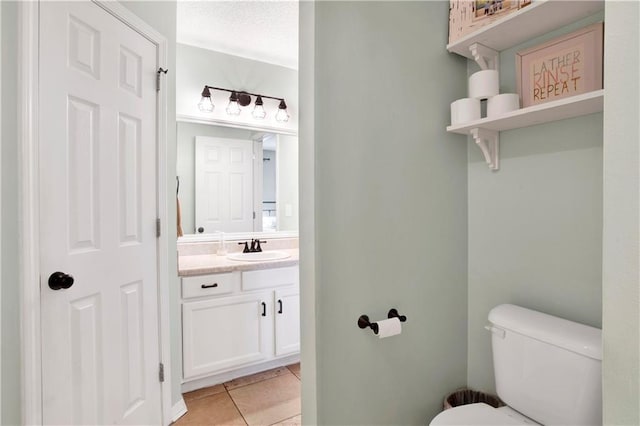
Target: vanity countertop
[{"x": 202, "y": 264}]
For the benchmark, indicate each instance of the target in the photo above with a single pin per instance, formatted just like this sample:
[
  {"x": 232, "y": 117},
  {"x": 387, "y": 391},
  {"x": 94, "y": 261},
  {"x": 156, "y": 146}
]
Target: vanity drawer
[
  {"x": 208, "y": 285},
  {"x": 266, "y": 278}
]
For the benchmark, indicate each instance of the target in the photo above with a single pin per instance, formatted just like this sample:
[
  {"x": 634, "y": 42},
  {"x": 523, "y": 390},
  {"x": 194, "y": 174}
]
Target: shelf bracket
[
  {"x": 487, "y": 58},
  {"x": 489, "y": 143}
]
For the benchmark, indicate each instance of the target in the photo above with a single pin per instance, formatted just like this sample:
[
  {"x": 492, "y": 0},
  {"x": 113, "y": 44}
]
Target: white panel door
[
  {"x": 287, "y": 321},
  {"x": 219, "y": 334},
  {"x": 100, "y": 344},
  {"x": 224, "y": 185}
]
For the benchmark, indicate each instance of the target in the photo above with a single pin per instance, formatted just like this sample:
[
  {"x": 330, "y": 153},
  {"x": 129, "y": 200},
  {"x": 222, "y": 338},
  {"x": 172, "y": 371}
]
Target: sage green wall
[
  {"x": 621, "y": 269},
  {"x": 390, "y": 211},
  {"x": 161, "y": 15},
  {"x": 11, "y": 364},
  {"x": 535, "y": 226},
  {"x": 307, "y": 191}
]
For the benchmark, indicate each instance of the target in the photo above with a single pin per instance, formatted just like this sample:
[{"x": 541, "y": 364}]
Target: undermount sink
[{"x": 258, "y": 256}]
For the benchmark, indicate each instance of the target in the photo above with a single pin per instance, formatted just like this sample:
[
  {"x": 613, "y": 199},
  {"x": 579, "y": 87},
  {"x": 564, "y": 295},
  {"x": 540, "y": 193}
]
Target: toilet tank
[{"x": 547, "y": 368}]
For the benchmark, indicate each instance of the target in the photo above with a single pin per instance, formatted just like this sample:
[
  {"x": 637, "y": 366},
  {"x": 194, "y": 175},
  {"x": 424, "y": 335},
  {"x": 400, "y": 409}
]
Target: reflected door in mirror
[{"x": 224, "y": 185}]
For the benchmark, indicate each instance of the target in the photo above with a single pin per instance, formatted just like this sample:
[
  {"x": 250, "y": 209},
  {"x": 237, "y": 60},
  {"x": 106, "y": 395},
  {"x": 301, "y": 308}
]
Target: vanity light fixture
[{"x": 237, "y": 100}]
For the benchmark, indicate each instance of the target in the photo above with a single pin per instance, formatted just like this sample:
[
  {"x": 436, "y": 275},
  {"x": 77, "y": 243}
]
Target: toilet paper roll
[
  {"x": 465, "y": 110},
  {"x": 389, "y": 327},
  {"x": 484, "y": 84},
  {"x": 502, "y": 104}
]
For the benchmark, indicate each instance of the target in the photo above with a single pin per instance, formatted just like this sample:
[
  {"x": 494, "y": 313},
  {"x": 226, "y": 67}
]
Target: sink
[{"x": 259, "y": 256}]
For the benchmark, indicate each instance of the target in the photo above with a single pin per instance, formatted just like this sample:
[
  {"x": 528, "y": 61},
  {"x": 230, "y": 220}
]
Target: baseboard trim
[
  {"x": 194, "y": 384},
  {"x": 178, "y": 410}
]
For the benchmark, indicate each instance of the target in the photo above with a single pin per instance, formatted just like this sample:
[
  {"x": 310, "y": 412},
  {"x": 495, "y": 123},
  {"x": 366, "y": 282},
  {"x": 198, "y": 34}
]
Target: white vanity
[
  {"x": 238, "y": 317},
  {"x": 242, "y": 316}
]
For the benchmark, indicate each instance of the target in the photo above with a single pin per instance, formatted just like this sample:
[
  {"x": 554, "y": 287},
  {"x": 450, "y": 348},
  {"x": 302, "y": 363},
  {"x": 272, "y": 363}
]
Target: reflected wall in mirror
[{"x": 227, "y": 174}]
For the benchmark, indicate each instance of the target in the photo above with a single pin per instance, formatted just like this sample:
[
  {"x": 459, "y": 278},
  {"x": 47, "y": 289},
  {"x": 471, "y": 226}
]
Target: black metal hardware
[
  {"x": 160, "y": 71},
  {"x": 214, "y": 285},
  {"x": 363, "y": 322},
  {"x": 242, "y": 97},
  {"x": 393, "y": 313},
  {"x": 246, "y": 247},
  {"x": 200, "y": 230},
  {"x": 264, "y": 309},
  {"x": 60, "y": 280},
  {"x": 280, "y": 304},
  {"x": 255, "y": 246}
]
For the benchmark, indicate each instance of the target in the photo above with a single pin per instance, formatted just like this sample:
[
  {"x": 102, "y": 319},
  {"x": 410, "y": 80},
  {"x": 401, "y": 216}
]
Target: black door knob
[
  {"x": 60, "y": 280},
  {"x": 200, "y": 230}
]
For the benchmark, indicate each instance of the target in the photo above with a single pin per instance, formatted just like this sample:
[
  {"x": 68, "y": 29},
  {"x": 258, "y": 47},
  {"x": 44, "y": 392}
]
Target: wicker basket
[{"x": 469, "y": 396}]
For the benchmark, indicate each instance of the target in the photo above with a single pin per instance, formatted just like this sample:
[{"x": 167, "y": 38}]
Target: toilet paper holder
[{"x": 363, "y": 321}]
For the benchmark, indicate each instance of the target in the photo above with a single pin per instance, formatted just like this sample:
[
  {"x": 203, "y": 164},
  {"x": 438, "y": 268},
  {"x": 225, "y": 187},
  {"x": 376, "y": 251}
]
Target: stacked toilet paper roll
[
  {"x": 501, "y": 104},
  {"x": 465, "y": 110},
  {"x": 483, "y": 85}
]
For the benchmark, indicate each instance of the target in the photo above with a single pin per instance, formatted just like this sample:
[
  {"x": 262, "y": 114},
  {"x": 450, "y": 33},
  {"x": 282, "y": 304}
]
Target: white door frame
[{"x": 28, "y": 98}]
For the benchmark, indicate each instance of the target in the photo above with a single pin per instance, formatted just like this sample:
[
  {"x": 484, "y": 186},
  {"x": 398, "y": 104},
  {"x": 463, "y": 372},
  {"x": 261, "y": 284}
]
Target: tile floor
[{"x": 268, "y": 398}]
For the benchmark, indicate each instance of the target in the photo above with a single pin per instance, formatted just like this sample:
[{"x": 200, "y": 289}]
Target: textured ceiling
[{"x": 264, "y": 30}]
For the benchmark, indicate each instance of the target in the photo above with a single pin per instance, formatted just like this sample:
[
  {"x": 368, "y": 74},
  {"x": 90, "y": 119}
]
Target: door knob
[{"x": 60, "y": 280}]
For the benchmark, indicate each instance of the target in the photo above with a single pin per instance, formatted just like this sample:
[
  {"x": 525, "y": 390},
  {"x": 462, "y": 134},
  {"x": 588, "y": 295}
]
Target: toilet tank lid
[{"x": 569, "y": 335}]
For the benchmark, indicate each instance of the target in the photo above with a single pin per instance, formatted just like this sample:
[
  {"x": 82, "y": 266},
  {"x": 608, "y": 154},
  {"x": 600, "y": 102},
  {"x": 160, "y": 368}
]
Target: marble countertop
[{"x": 202, "y": 264}]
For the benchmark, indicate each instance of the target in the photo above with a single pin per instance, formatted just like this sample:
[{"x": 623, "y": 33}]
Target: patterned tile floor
[{"x": 268, "y": 398}]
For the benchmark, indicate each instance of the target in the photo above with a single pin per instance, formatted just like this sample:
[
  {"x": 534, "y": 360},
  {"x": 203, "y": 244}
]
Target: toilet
[{"x": 547, "y": 370}]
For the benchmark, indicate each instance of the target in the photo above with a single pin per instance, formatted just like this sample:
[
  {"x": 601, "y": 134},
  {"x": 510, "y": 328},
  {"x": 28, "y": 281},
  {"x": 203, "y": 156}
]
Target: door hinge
[
  {"x": 161, "y": 372},
  {"x": 254, "y": 215},
  {"x": 160, "y": 71},
  {"x": 158, "y": 228}
]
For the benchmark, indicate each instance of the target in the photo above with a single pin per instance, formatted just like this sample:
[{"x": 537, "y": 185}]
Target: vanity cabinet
[
  {"x": 232, "y": 320},
  {"x": 224, "y": 332},
  {"x": 287, "y": 321}
]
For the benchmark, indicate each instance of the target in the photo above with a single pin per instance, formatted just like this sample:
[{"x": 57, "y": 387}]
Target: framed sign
[
  {"x": 467, "y": 16},
  {"x": 562, "y": 67}
]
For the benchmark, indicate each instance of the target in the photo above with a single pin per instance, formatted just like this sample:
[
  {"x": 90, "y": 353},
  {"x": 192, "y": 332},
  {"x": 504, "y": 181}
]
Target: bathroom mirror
[{"x": 226, "y": 174}]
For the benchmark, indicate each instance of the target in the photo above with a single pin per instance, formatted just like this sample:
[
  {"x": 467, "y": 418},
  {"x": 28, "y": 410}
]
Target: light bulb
[
  {"x": 258, "y": 111},
  {"x": 206, "y": 104},
  {"x": 282, "y": 115},
  {"x": 233, "y": 108}
]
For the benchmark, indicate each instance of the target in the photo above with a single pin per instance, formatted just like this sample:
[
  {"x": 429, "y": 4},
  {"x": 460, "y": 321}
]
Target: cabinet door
[
  {"x": 223, "y": 333},
  {"x": 287, "y": 312}
]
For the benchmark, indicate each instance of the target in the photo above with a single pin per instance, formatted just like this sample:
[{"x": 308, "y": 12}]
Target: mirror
[{"x": 226, "y": 174}]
